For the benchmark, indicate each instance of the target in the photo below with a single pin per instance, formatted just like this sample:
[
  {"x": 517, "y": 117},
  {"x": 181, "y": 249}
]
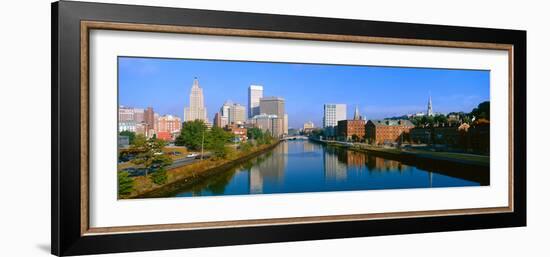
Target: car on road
[
  {"x": 125, "y": 157},
  {"x": 192, "y": 155},
  {"x": 135, "y": 172},
  {"x": 206, "y": 156},
  {"x": 174, "y": 153}
]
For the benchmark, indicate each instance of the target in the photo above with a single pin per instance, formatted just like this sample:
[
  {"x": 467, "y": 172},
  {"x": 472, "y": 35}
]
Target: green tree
[
  {"x": 483, "y": 111},
  {"x": 355, "y": 138},
  {"x": 255, "y": 134},
  {"x": 131, "y": 135},
  {"x": 149, "y": 153},
  {"x": 246, "y": 147},
  {"x": 440, "y": 118},
  {"x": 268, "y": 138},
  {"x": 125, "y": 183},
  {"x": 215, "y": 141},
  {"x": 317, "y": 132},
  {"x": 191, "y": 135}
]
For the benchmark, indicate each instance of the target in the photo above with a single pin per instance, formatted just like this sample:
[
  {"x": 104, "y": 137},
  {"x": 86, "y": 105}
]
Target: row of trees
[
  {"x": 196, "y": 137},
  {"x": 481, "y": 112},
  {"x": 259, "y": 137}
]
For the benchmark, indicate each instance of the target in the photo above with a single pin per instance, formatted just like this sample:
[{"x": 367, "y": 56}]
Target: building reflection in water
[
  {"x": 268, "y": 168},
  {"x": 255, "y": 181},
  {"x": 339, "y": 163},
  {"x": 309, "y": 147},
  {"x": 334, "y": 168},
  {"x": 380, "y": 164}
]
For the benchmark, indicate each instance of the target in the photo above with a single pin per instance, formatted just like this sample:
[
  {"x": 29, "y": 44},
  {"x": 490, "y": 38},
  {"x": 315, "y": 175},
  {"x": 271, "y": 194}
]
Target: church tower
[
  {"x": 430, "y": 110},
  {"x": 356, "y": 115}
]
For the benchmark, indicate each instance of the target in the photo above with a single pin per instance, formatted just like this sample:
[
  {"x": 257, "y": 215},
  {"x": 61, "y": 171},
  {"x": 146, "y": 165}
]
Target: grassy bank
[
  {"x": 463, "y": 158},
  {"x": 189, "y": 174}
]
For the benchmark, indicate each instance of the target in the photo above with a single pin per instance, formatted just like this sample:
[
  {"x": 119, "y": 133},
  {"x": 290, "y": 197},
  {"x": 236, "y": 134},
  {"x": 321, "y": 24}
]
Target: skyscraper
[
  {"x": 237, "y": 114},
  {"x": 332, "y": 114},
  {"x": 224, "y": 113},
  {"x": 218, "y": 120},
  {"x": 255, "y": 92},
  {"x": 272, "y": 105},
  {"x": 269, "y": 123},
  {"x": 430, "y": 111},
  {"x": 196, "y": 109},
  {"x": 275, "y": 106}
]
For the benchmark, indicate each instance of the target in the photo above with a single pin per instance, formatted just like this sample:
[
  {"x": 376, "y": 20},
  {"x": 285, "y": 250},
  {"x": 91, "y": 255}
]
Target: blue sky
[{"x": 164, "y": 84}]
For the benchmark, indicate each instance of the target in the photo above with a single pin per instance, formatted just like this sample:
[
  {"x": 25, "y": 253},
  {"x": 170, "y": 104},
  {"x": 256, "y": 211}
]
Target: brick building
[
  {"x": 387, "y": 131},
  {"x": 164, "y": 135},
  {"x": 239, "y": 132},
  {"x": 169, "y": 123},
  {"x": 445, "y": 134},
  {"x": 479, "y": 137},
  {"x": 348, "y": 128}
]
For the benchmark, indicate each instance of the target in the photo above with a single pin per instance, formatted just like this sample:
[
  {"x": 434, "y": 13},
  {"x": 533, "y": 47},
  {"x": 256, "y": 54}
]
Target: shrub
[
  {"x": 125, "y": 183},
  {"x": 159, "y": 177}
]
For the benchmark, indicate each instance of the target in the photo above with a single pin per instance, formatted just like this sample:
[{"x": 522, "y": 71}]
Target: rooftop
[
  {"x": 382, "y": 123},
  {"x": 271, "y": 98}
]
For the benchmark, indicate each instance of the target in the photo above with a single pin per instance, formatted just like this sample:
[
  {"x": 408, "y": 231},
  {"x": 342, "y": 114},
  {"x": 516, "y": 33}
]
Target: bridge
[{"x": 295, "y": 138}]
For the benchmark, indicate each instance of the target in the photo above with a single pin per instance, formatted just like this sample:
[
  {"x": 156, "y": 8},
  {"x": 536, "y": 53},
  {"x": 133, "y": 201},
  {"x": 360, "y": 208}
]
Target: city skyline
[{"x": 164, "y": 84}]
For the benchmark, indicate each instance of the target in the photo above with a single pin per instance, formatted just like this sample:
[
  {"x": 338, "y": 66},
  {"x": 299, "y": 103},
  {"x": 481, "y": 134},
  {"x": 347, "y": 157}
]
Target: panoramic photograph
[{"x": 195, "y": 128}]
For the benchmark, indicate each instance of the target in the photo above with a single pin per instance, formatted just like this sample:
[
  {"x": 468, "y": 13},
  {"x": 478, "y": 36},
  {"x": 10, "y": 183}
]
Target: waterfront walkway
[{"x": 464, "y": 158}]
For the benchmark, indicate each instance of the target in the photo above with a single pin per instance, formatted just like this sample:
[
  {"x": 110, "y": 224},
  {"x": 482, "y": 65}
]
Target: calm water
[{"x": 305, "y": 166}]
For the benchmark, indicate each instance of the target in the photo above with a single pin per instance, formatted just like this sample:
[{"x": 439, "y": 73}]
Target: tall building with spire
[
  {"x": 357, "y": 115},
  {"x": 430, "y": 110},
  {"x": 196, "y": 109}
]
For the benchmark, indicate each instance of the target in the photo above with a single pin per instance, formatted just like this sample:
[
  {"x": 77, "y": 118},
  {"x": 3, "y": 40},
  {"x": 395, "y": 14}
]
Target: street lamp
[{"x": 202, "y": 144}]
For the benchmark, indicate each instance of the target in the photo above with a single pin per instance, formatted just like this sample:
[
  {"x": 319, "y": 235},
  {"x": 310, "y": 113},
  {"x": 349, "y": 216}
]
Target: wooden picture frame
[{"x": 71, "y": 25}]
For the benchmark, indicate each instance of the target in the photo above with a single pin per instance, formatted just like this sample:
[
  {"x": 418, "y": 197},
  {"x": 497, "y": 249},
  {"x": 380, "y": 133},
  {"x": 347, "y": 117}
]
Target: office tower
[
  {"x": 255, "y": 92},
  {"x": 217, "y": 120},
  {"x": 237, "y": 114},
  {"x": 267, "y": 122},
  {"x": 274, "y": 106},
  {"x": 196, "y": 109},
  {"x": 224, "y": 113},
  {"x": 332, "y": 114}
]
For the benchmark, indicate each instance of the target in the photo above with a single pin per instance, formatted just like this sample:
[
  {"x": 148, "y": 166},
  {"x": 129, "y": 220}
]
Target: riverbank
[
  {"x": 191, "y": 174},
  {"x": 464, "y": 158},
  {"x": 467, "y": 166}
]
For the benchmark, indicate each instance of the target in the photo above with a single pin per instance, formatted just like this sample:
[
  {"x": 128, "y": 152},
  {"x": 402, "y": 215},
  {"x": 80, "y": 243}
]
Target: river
[{"x": 306, "y": 166}]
